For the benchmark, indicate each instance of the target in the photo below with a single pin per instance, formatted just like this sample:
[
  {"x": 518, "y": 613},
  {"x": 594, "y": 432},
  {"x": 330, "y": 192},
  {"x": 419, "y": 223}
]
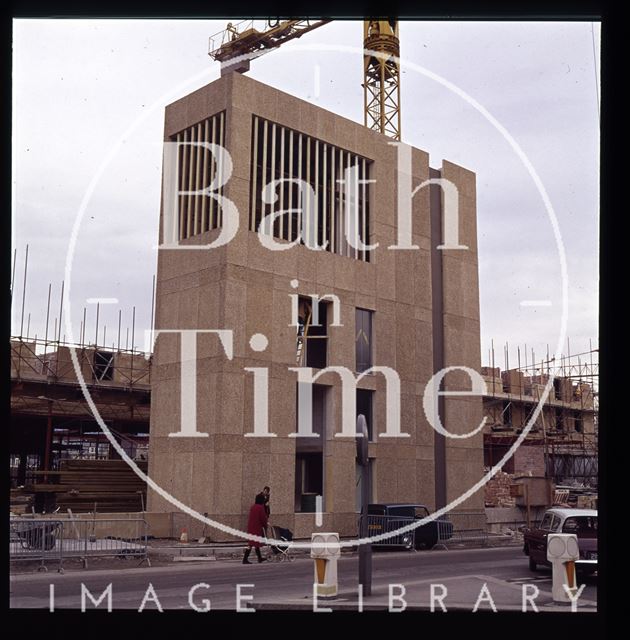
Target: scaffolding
[
  {"x": 567, "y": 425},
  {"x": 43, "y": 360},
  {"x": 51, "y": 420}
]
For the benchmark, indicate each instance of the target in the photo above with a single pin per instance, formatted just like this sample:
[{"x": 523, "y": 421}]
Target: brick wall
[
  {"x": 497, "y": 491},
  {"x": 529, "y": 460}
]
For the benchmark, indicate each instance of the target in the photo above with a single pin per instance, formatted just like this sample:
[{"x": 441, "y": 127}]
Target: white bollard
[
  {"x": 562, "y": 552},
  {"x": 325, "y": 550}
]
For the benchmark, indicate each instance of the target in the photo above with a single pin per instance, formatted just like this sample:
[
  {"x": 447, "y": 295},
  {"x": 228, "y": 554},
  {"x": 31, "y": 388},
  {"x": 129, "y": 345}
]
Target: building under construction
[
  {"x": 562, "y": 444},
  {"x": 54, "y": 435},
  {"x": 416, "y": 311}
]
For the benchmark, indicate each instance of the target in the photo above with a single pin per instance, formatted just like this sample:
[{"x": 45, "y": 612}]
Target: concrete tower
[{"x": 414, "y": 310}]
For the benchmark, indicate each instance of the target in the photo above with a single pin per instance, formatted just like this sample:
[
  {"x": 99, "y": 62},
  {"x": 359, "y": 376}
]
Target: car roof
[
  {"x": 396, "y": 504},
  {"x": 565, "y": 512}
]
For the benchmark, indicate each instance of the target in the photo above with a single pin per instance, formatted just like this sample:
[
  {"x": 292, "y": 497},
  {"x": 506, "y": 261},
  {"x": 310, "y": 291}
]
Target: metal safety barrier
[
  {"x": 461, "y": 527},
  {"x": 36, "y": 541},
  {"x": 45, "y": 540},
  {"x": 379, "y": 525}
]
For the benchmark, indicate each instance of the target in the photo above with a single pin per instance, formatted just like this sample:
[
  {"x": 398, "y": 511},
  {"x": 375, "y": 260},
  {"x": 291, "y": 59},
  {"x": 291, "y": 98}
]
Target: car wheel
[
  {"x": 532, "y": 564},
  {"x": 428, "y": 544},
  {"x": 431, "y": 542}
]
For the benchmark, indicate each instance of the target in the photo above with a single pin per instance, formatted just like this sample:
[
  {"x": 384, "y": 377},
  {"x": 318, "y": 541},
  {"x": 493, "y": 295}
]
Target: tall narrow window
[
  {"x": 364, "y": 406},
  {"x": 363, "y": 338},
  {"x": 309, "y": 456},
  {"x": 312, "y": 334}
]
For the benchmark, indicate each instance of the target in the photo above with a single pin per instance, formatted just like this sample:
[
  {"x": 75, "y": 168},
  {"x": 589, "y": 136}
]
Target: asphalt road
[{"x": 504, "y": 570}]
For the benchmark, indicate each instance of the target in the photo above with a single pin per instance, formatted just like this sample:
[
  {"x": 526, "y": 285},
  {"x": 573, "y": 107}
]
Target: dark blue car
[{"x": 392, "y": 516}]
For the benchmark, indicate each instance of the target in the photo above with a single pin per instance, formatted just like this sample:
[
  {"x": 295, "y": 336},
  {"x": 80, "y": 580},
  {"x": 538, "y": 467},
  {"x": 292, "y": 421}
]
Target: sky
[{"x": 88, "y": 109}]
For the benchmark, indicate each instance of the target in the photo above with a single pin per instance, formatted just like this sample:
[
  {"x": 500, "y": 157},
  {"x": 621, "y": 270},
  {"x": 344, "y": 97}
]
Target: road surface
[{"x": 459, "y": 575}]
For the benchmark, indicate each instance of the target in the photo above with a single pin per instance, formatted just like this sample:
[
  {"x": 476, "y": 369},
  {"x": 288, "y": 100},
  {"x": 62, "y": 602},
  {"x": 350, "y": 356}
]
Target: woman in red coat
[{"x": 256, "y": 523}]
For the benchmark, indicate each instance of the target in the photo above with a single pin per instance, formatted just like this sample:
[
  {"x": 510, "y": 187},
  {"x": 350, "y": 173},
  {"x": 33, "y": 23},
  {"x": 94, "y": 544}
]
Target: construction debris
[{"x": 20, "y": 501}]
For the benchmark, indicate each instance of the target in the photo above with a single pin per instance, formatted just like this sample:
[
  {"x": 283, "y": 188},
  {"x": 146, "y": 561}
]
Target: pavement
[{"x": 208, "y": 551}]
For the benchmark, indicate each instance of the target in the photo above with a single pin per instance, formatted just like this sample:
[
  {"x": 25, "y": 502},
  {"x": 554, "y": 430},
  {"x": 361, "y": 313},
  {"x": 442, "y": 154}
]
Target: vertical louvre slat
[
  {"x": 180, "y": 180},
  {"x": 299, "y": 176},
  {"x": 307, "y": 226},
  {"x": 264, "y": 168},
  {"x": 340, "y": 212},
  {"x": 366, "y": 204},
  {"x": 350, "y": 191},
  {"x": 259, "y": 173},
  {"x": 182, "y": 185},
  {"x": 291, "y": 188},
  {"x": 190, "y": 149},
  {"x": 255, "y": 160},
  {"x": 346, "y": 165},
  {"x": 179, "y": 184},
  {"x": 333, "y": 212},
  {"x": 349, "y": 204},
  {"x": 317, "y": 225},
  {"x": 323, "y": 195},
  {"x": 342, "y": 235},
  {"x": 349, "y": 247},
  {"x": 273, "y": 173},
  {"x": 220, "y": 168},
  {"x": 282, "y": 183},
  {"x": 197, "y": 197},
  {"x": 355, "y": 204},
  {"x": 185, "y": 173},
  {"x": 204, "y": 179},
  {"x": 213, "y": 204},
  {"x": 363, "y": 211}
]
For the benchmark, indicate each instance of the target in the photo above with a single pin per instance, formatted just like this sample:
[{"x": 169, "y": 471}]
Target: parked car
[
  {"x": 390, "y": 517},
  {"x": 582, "y": 522}
]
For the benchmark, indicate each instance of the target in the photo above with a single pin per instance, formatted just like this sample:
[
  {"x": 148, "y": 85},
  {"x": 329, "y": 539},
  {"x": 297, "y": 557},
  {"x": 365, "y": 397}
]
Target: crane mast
[
  {"x": 235, "y": 46},
  {"x": 381, "y": 71}
]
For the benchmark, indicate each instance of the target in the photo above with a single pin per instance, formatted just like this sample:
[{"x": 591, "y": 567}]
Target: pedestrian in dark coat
[
  {"x": 256, "y": 523},
  {"x": 266, "y": 493}
]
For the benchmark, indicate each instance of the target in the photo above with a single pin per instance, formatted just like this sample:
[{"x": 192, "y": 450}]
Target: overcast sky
[{"x": 78, "y": 85}]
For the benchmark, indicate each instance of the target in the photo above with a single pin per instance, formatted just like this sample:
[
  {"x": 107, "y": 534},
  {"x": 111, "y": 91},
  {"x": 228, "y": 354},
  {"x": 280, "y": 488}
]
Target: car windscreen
[
  {"x": 582, "y": 526},
  {"x": 401, "y": 512}
]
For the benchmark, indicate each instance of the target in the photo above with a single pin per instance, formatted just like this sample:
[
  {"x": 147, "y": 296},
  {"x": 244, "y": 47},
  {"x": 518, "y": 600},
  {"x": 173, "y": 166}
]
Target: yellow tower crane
[
  {"x": 236, "y": 45},
  {"x": 381, "y": 77}
]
